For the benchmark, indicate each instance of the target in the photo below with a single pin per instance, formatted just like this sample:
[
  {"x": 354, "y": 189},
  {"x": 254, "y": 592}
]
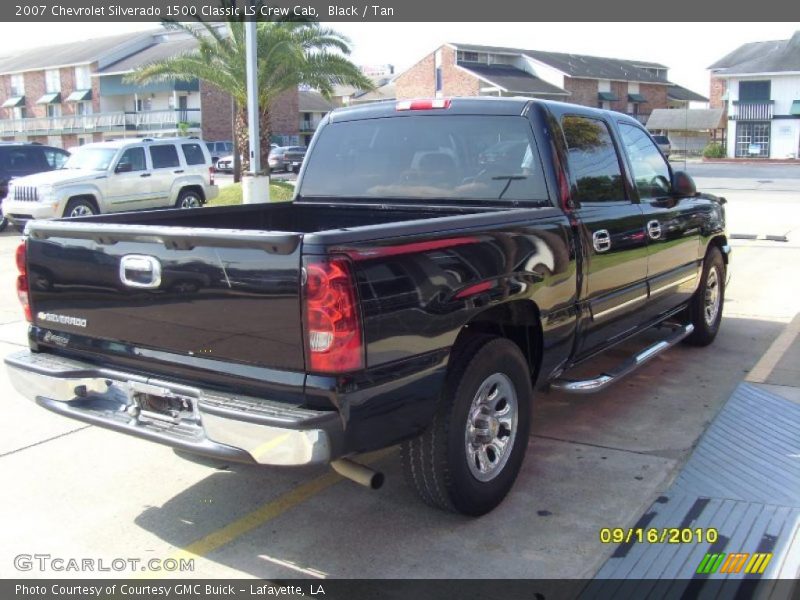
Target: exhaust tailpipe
[{"x": 359, "y": 473}]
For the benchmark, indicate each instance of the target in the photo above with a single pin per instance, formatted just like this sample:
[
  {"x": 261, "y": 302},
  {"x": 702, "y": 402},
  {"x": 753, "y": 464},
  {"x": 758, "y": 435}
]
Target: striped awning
[
  {"x": 14, "y": 102},
  {"x": 79, "y": 96},
  {"x": 50, "y": 99}
]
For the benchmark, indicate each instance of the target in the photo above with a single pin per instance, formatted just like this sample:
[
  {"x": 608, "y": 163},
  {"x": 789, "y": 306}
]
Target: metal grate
[{"x": 26, "y": 193}]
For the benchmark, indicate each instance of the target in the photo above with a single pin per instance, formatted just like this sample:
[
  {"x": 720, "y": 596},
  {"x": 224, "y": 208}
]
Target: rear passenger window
[
  {"x": 593, "y": 160},
  {"x": 55, "y": 157},
  {"x": 164, "y": 156},
  {"x": 193, "y": 154}
]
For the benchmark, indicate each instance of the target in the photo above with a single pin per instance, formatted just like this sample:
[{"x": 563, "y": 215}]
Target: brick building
[
  {"x": 629, "y": 86},
  {"x": 70, "y": 94}
]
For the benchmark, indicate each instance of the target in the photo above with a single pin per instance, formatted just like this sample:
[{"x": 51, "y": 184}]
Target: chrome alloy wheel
[
  {"x": 191, "y": 201},
  {"x": 81, "y": 210},
  {"x": 491, "y": 427},
  {"x": 711, "y": 306}
]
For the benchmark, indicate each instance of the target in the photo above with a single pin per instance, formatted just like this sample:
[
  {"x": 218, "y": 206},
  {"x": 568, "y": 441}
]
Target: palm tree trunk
[{"x": 242, "y": 136}]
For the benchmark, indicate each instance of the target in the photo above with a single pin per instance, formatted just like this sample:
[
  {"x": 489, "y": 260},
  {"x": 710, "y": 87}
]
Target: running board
[{"x": 590, "y": 386}]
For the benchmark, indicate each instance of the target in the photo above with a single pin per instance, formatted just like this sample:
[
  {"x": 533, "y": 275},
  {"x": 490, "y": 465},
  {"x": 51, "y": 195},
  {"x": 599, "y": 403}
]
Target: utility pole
[{"x": 255, "y": 185}]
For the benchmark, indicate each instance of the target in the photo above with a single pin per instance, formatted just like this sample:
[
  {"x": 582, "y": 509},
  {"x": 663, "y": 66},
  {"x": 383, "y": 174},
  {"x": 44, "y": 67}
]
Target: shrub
[{"x": 714, "y": 150}]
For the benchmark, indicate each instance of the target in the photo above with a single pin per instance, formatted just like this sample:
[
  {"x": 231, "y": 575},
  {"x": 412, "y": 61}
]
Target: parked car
[
  {"x": 117, "y": 176},
  {"x": 225, "y": 164},
  {"x": 219, "y": 149},
  {"x": 411, "y": 294},
  {"x": 286, "y": 158},
  {"x": 663, "y": 144},
  {"x": 20, "y": 159}
]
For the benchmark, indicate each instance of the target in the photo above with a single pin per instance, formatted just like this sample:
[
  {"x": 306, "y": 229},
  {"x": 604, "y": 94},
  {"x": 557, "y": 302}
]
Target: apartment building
[
  {"x": 70, "y": 94},
  {"x": 630, "y": 86},
  {"x": 758, "y": 86}
]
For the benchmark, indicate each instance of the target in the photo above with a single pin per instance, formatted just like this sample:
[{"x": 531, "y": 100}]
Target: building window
[
  {"x": 754, "y": 91},
  {"x": 752, "y": 139},
  {"x": 52, "y": 81},
  {"x": 82, "y": 78},
  {"x": 468, "y": 56},
  {"x": 17, "y": 85},
  {"x": 18, "y": 112},
  {"x": 53, "y": 110}
]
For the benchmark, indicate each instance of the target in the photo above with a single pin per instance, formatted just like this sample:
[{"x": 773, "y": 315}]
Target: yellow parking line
[
  {"x": 274, "y": 508},
  {"x": 773, "y": 355}
]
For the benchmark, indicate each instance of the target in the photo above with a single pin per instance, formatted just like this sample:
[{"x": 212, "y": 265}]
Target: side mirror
[
  {"x": 683, "y": 184},
  {"x": 124, "y": 167}
]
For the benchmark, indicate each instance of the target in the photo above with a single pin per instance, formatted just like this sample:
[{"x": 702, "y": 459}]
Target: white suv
[{"x": 117, "y": 176}]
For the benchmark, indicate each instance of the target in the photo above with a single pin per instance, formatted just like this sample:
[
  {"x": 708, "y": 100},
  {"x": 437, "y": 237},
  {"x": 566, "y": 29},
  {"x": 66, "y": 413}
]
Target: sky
[{"x": 686, "y": 48}]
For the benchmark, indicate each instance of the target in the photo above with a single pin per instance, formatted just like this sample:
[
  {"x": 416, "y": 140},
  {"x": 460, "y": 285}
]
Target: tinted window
[
  {"x": 164, "y": 156},
  {"x": 55, "y": 157},
  {"x": 23, "y": 159},
  {"x": 134, "y": 156},
  {"x": 426, "y": 157},
  {"x": 661, "y": 139},
  {"x": 650, "y": 170},
  {"x": 193, "y": 154},
  {"x": 593, "y": 161}
]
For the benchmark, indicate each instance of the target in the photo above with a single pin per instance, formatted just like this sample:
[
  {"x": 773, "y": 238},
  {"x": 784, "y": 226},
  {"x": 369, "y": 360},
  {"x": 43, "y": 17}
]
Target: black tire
[
  {"x": 437, "y": 463},
  {"x": 189, "y": 199},
  {"x": 80, "y": 207},
  {"x": 3, "y": 221},
  {"x": 712, "y": 284}
]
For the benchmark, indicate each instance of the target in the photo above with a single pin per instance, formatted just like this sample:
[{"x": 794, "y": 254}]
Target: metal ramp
[{"x": 743, "y": 480}]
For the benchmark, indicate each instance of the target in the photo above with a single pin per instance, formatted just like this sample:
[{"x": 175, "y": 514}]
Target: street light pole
[{"x": 255, "y": 185}]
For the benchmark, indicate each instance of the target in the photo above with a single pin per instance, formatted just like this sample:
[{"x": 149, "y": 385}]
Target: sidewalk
[{"x": 743, "y": 481}]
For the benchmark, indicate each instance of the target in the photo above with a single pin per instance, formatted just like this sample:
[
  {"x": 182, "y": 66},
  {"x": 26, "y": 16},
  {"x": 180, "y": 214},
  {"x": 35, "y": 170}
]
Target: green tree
[{"x": 290, "y": 54}]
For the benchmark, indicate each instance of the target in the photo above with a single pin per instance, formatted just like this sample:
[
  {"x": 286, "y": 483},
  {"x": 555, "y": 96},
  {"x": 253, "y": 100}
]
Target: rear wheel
[
  {"x": 705, "y": 308},
  {"x": 470, "y": 456},
  {"x": 3, "y": 220},
  {"x": 80, "y": 207},
  {"x": 189, "y": 199}
]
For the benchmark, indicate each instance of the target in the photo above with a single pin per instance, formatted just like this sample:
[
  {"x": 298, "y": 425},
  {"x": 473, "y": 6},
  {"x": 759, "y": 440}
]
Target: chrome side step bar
[{"x": 602, "y": 381}]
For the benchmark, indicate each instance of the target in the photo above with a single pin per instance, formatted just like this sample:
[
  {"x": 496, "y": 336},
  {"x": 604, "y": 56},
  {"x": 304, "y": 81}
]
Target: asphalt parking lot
[{"x": 76, "y": 491}]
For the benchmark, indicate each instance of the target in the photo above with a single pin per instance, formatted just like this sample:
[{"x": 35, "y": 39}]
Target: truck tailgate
[{"x": 218, "y": 294}]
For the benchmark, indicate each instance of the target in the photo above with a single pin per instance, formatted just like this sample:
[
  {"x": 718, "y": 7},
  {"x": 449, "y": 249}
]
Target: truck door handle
[
  {"x": 654, "y": 229},
  {"x": 145, "y": 175},
  {"x": 601, "y": 240},
  {"x": 178, "y": 171}
]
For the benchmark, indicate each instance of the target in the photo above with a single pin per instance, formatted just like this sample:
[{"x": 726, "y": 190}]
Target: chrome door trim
[
  {"x": 140, "y": 263},
  {"x": 601, "y": 240}
]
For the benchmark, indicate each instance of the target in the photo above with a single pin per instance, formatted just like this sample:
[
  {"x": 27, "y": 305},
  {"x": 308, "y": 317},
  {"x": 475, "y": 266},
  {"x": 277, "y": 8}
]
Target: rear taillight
[
  {"x": 211, "y": 172},
  {"x": 22, "y": 280},
  {"x": 332, "y": 322}
]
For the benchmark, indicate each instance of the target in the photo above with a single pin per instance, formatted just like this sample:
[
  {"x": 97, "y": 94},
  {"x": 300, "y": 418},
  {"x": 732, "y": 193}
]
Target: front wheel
[
  {"x": 80, "y": 207},
  {"x": 705, "y": 307},
  {"x": 469, "y": 457},
  {"x": 3, "y": 220}
]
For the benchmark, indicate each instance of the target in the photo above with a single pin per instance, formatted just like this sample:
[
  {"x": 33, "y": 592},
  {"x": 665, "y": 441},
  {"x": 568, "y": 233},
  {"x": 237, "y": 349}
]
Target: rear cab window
[
  {"x": 193, "y": 154},
  {"x": 488, "y": 158},
  {"x": 164, "y": 156}
]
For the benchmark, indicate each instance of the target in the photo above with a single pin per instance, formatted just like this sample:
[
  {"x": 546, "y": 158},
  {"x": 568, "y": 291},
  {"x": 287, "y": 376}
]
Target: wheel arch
[
  {"x": 519, "y": 321},
  {"x": 87, "y": 196}
]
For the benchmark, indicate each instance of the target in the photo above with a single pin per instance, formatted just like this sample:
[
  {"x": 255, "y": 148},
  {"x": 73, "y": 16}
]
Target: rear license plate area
[{"x": 156, "y": 403}]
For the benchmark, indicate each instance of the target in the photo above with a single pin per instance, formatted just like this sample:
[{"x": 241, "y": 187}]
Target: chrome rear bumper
[{"x": 227, "y": 426}]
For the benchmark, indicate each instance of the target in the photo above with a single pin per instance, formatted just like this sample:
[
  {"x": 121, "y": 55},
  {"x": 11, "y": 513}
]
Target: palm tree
[{"x": 290, "y": 54}]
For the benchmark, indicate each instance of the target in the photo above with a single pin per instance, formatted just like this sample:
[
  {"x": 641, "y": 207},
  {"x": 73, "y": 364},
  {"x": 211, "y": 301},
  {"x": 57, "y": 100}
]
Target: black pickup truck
[{"x": 441, "y": 259}]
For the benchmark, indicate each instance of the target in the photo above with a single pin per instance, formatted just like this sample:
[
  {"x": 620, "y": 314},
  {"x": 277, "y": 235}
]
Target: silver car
[{"x": 663, "y": 144}]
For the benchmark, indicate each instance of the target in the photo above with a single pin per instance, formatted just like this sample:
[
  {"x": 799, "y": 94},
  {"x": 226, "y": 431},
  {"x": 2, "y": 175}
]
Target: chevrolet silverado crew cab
[
  {"x": 115, "y": 176},
  {"x": 440, "y": 261}
]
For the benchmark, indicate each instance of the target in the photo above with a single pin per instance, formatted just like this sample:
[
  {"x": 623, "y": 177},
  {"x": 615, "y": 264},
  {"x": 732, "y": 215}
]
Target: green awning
[
  {"x": 50, "y": 99},
  {"x": 14, "y": 102},
  {"x": 636, "y": 98},
  {"x": 79, "y": 96},
  {"x": 607, "y": 96},
  {"x": 795, "y": 110}
]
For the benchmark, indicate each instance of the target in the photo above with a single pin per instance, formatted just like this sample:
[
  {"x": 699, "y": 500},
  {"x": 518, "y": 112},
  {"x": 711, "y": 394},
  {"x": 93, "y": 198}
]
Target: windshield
[
  {"x": 459, "y": 157},
  {"x": 90, "y": 159}
]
